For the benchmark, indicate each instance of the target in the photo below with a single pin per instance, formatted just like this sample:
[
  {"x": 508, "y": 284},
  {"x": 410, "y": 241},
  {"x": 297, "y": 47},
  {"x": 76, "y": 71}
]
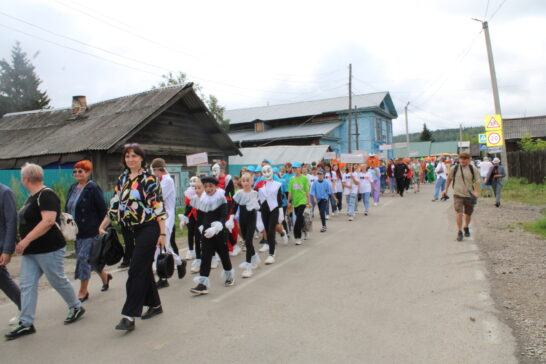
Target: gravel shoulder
[{"x": 516, "y": 262}]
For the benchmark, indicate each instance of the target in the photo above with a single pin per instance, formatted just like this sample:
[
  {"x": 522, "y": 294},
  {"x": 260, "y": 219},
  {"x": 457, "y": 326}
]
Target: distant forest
[{"x": 444, "y": 135}]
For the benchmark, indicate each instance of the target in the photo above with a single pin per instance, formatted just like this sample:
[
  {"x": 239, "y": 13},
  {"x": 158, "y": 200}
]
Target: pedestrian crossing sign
[
  {"x": 493, "y": 122},
  {"x": 483, "y": 138}
]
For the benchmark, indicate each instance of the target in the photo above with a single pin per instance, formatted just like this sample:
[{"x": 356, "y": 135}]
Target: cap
[
  {"x": 250, "y": 168},
  {"x": 320, "y": 171},
  {"x": 275, "y": 170},
  {"x": 296, "y": 165},
  {"x": 258, "y": 169},
  {"x": 496, "y": 160},
  {"x": 209, "y": 179},
  {"x": 267, "y": 161}
]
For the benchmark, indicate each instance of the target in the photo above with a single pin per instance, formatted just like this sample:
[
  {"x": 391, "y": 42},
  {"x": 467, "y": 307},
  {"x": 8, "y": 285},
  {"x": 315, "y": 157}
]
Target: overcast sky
[{"x": 251, "y": 53}]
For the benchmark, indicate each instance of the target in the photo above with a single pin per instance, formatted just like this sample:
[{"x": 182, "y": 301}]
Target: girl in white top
[
  {"x": 337, "y": 187},
  {"x": 312, "y": 177},
  {"x": 366, "y": 186},
  {"x": 328, "y": 177},
  {"x": 350, "y": 184}
]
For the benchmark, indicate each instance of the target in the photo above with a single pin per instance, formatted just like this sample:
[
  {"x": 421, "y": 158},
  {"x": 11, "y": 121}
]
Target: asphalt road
[{"x": 391, "y": 287}]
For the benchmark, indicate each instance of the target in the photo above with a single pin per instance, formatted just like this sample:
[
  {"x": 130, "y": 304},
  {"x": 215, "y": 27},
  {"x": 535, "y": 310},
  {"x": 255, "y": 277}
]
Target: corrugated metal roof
[
  {"x": 444, "y": 147},
  {"x": 518, "y": 127},
  {"x": 308, "y": 108},
  {"x": 287, "y": 132},
  {"x": 279, "y": 154},
  {"x": 101, "y": 127},
  {"x": 425, "y": 149}
]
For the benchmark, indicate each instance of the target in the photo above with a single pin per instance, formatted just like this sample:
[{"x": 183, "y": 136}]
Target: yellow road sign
[
  {"x": 493, "y": 122},
  {"x": 494, "y": 138}
]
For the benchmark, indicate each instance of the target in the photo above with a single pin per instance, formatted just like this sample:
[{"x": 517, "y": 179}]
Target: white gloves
[
  {"x": 281, "y": 215},
  {"x": 214, "y": 229},
  {"x": 183, "y": 220},
  {"x": 200, "y": 229},
  {"x": 230, "y": 224}
]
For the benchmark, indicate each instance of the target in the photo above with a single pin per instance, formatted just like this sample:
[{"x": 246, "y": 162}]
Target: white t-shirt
[
  {"x": 441, "y": 170},
  {"x": 366, "y": 180},
  {"x": 485, "y": 166},
  {"x": 336, "y": 183},
  {"x": 354, "y": 189},
  {"x": 311, "y": 178},
  {"x": 169, "y": 200},
  {"x": 346, "y": 177}
]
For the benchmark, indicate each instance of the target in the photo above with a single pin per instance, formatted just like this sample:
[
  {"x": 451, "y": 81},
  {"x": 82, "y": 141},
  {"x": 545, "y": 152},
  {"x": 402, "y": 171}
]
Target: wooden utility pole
[
  {"x": 350, "y": 126},
  {"x": 357, "y": 134},
  {"x": 407, "y": 130}
]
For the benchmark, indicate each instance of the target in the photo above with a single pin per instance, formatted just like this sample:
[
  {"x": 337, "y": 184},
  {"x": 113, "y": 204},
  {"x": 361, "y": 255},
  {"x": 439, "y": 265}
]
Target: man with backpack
[{"x": 466, "y": 182}]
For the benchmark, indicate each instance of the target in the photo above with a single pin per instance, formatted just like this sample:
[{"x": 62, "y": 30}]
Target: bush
[{"x": 538, "y": 226}]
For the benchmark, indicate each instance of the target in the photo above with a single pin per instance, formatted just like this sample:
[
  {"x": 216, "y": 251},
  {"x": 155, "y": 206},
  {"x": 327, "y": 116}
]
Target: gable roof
[
  {"x": 378, "y": 100},
  {"x": 279, "y": 154},
  {"x": 286, "y": 132},
  {"x": 517, "y": 128},
  {"x": 103, "y": 126}
]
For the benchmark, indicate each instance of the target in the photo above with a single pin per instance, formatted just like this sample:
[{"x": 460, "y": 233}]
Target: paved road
[{"x": 392, "y": 287}]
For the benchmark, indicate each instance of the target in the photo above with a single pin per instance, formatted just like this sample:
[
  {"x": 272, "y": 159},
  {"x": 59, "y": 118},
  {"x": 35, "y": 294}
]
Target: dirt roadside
[{"x": 516, "y": 262}]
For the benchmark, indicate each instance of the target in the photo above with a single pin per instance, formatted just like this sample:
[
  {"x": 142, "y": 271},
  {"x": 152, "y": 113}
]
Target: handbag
[
  {"x": 112, "y": 250},
  {"x": 68, "y": 226},
  {"x": 164, "y": 265}
]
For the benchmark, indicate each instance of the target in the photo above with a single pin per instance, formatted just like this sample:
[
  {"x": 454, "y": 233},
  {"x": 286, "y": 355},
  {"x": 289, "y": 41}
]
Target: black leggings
[
  {"x": 270, "y": 220},
  {"x": 339, "y": 196},
  {"x": 192, "y": 233},
  {"x": 247, "y": 225},
  {"x": 401, "y": 185},
  {"x": 141, "y": 288},
  {"x": 173, "y": 241},
  {"x": 284, "y": 224},
  {"x": 216, "y": 244},
  {"x": 298, "y": 225}
]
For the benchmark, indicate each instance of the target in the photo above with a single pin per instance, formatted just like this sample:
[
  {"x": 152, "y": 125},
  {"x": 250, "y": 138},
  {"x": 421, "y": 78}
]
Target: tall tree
[
  {"x": 211, "y": 101},
  {"x": 426, "y": 135},
  {"x": 19, "y": 84}
]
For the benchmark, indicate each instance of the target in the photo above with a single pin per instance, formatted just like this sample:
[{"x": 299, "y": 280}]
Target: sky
[{"x": 429, "y": 53}]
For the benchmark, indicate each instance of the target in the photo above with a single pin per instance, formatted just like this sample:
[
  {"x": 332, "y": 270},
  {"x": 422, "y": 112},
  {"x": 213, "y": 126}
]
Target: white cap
[{"x": 496, "y": 160}]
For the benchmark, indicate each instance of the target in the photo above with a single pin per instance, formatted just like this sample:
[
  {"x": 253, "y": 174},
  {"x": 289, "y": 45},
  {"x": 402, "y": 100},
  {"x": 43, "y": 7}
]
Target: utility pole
[
  {"x": 496, "y": 98},
  {"x": 350, "y": 126},
  {"x": 356, "y": 130},
  {"x": 407, "y": 130}
]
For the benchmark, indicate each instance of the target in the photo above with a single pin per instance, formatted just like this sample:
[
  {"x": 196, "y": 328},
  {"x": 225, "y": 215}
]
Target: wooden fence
[{"x": 531, "y": 165}]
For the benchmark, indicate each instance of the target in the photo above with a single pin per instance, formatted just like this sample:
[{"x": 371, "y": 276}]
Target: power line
[
  {"x": 486, "y": 9},
  {"x": 496, "y": 11}
]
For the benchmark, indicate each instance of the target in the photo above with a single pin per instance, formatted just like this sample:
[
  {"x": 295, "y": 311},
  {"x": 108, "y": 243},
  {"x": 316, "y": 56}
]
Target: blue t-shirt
[{"x": 321, "y": 189}]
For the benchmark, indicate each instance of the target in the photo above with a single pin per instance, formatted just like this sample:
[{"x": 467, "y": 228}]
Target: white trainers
[
  {"x": 298, "y": 242},
  {"x": 270, "y": 260},
  {"x": 14, "y": 321},
  {"x": 285, "y": 237},
  {"x": 247, "y": 273},
  {"x": 236, "y": 251},
  {"x": 375, "y": 204},
  {"x": 327, "y": 217},
  {"x": 214, "y": 262},
  {"x": 351, "y": 218},
  {"x": 264, "y": 248},
  {"x": 195, "y": 266},
  {"x": 190, "y": 254}
]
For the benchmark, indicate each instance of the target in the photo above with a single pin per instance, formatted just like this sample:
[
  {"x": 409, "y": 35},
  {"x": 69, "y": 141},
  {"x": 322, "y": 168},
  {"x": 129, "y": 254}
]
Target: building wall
[{"x": 373, "y": 129}]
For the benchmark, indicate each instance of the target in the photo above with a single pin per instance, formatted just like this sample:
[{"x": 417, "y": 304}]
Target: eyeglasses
[{"x": 78, "y": 171}]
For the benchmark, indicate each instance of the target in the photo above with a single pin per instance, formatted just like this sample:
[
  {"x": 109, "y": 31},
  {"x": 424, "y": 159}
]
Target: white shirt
[
  {"x": 354, "y": 187},
  {"x": 169, "y": 201},
  {"x": 366, "y": 180},
  {"x": 485, "y": 166},
  {"x": 347, "y": 180},
  {"x": 441, "y": 170},
  {"x": 311, "y": 179},
  {"x": 336, "y": 183}
]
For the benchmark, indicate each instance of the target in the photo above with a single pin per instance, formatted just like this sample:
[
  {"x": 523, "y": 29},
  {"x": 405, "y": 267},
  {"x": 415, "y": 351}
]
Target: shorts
[{"x": 463, "y": 204}]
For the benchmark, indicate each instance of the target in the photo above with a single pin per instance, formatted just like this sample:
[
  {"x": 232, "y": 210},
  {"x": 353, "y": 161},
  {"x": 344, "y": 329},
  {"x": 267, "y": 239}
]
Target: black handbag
[
  {"x": 164, "y": 265},
  {"x": 95, "y": 255},
  {"x": 112, "y": 250}
]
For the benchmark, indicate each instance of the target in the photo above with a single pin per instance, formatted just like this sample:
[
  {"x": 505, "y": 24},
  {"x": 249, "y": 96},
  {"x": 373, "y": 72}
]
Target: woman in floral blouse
[{"x": 138, "y": 205}]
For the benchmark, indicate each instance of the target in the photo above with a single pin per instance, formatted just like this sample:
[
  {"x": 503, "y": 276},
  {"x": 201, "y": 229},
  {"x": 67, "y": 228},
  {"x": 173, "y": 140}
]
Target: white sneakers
[
  {"x": 375, "y": 204},
  {"x": 14, "y": 321},
  {"x": 351, "y": 218},
  {"x": 298, "y": 242},
  {"x": 285, "y": 237},
  {"x": 264, "y": 248},
  {"x": 328, "y": 217},
  {"x": 190, "y": 254},
  {"x": 270, "y": 260},
  {"x": 236, "y": 250},
  {"x": 247, "y": 273},
  {"x": 195, "y": 266}
]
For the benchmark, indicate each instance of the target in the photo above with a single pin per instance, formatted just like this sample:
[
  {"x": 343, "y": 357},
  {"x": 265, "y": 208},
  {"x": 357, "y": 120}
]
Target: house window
[{"x": 378, "y": 128}]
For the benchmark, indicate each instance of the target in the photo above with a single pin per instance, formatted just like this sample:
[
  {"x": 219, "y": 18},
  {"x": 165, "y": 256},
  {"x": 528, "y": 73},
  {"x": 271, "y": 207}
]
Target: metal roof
[
  {"x": 444, "y": 147},
  {"x": 286, "y": 132},
  {"x": 315, "y": 107},
  {"x": 104, "y": 125},
  {"x": 425, "y": 149},
  {"x": 517, "y": 128},
  {"x": 279, "y": 154}
]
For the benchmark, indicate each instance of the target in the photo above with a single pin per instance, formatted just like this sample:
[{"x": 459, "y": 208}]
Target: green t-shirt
[{"x": 298, "y": 188}]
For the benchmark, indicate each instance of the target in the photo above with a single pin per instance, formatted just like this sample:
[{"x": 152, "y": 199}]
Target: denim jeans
[
  {"x": 322, "y": 206},
  {"x": 332, "y": 203},
  {"x": 497, "y": 189},
  {"x": 366, "y": 200},
  {"x": 440, "y": 186},
  {"x": 32, "y": 267},
  {"x": 351, "y": 204}
]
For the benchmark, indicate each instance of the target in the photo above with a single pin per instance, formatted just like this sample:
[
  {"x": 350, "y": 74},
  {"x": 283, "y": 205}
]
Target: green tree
[
  {"x": 19, "y": 84},
  {"x": 211, "y": 101},
  {"x": 426, "y": 135},
  {"x": 528, "y": 144}
]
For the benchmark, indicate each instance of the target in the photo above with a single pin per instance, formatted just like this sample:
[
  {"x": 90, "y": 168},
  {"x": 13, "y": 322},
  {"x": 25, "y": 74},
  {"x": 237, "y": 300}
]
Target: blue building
[{"x": 317, "y": 122}]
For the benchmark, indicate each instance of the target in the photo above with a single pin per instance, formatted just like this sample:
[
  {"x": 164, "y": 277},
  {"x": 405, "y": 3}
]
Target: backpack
[
  {"x": 457, "y": 168},
  {"x": 68, "y": 226}
]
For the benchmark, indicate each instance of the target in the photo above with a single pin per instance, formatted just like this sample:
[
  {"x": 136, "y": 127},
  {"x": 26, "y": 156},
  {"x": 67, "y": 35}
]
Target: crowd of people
[{"x": 223, "y": 215}]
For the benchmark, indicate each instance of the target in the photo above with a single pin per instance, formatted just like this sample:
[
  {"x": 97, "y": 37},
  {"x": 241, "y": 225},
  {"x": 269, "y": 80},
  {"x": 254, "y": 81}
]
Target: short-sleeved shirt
[
  {"x": 30, "y": 216},
  {"x": 463, "y": 187},
  {"x": 298, "y": 188},
  {"x": 366, "y": 180}
]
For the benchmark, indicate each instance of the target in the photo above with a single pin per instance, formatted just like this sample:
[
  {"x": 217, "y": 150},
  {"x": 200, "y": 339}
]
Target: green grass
[
  {"x": 520, "y": 190},
  {"x": 538, "y": 226}
]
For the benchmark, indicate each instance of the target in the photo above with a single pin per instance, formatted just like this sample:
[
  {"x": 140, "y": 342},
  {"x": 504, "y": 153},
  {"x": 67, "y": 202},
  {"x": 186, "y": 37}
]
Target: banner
[
  {"x": 352, "y": 158},
  {"x": 385, "y": 147},
  {"x": 196, "y": 159},
  {"x": 329, "y": 155}
]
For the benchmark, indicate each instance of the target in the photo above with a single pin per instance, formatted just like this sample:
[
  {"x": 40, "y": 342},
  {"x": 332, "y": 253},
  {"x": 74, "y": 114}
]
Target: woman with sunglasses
[
  {"x": 85, "y": 202},
  {"x": 138, "y": 205}
]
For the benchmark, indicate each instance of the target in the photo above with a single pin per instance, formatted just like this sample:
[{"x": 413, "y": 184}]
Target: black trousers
[
  {"x": 191, "y": 233},
  {"x": 247, "y": 226},
  {"x": 339, "y": 196},
  {"x": 173, "y": 240},
  {"x": 284, "y": 224},
  {"x": 322, "y": 206},
  {"x": 298, "y": 225},
  {"x": 129, "y": 239},
  {"x": 141, "y": 288},
  {"x": 9, "y": 287},
  {"x": 270, "y": 220},
  {"x": 216, "y": 244},
  {"x": 401, "y": 185}
]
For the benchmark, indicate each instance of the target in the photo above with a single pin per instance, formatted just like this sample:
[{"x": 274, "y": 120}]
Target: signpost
[
  {"x": 385, "y": 147},
  {"x": 494, "y": 150},
  {"x": 494, "y": 139},
  {"x": 482, "y": 138},
  {"x": 196, "y": 159},
  {"x": 483, "y": 147}
]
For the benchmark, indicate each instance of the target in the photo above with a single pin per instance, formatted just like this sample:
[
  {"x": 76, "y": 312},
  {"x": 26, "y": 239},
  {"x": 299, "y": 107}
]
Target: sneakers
[
  {"x": 190, "y": 254},
  {"x": 264, "y": 248},
  {"x": 365, "y": 213},
  {"x": 323, "y": 229},
  {"x": 214, "y": 262},
  {"x": 74, "y": 314},
  {"x": 200, "y": 289},
  {"x": 351, "y": 218},
  {"x": 247, "y": 273},
  {"x": 126, "y": 325},
  {"x": 14, "y": 321},
  {"x": 306, "y": 235},
  {"x": 284, "y": 237},
  {"x": 375, "y": 204},
  {"x": 152, "y": 311},
  {"x": 162, "y": 283},
  {"x": 236, "y": 250},
  {"x": 434, "y": 199},
  {"x": 298, "y": 242},
  {"x": 229, "y": 282},
  {"x": 327, "y": 217},
  {"x": 460, "y": 236},
  {"x": 195, "y": 266},
  {"x": 466, "y": 232},
  {"x": 270, "y": 260},
  {"x": 20, "y": 330}
]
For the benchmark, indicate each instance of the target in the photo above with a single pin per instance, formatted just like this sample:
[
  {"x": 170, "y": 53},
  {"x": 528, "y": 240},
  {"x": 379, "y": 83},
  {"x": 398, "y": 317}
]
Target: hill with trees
[{"x": 444, "y": 135}]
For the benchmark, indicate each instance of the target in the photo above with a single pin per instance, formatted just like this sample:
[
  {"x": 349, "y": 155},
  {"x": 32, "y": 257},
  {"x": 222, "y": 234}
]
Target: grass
[
  {"x": 520, "y": 190},
  {"x": 537, "y": 226}
]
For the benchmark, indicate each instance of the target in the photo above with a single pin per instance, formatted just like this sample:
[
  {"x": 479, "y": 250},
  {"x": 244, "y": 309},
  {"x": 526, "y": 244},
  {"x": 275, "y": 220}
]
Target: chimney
[
  {"x": 259, "y": 126},
  {"x": 79, "y": 105}
]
